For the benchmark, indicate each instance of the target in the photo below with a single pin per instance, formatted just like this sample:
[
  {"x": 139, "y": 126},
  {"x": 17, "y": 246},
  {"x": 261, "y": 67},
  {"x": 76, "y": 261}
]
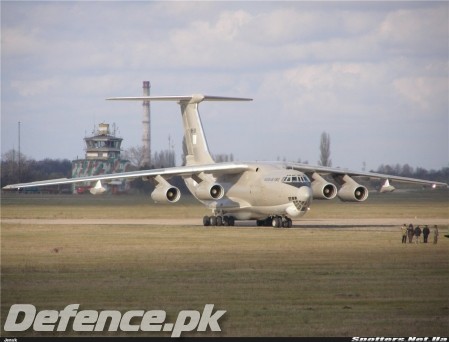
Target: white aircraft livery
[{"x": 269, "y": 192}]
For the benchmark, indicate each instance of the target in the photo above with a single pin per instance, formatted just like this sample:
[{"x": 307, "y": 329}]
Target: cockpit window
[{"x": 296, "y": 180}]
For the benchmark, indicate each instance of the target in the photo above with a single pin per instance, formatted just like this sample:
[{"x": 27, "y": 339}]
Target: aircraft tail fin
[{"x": 195, "y": 140}]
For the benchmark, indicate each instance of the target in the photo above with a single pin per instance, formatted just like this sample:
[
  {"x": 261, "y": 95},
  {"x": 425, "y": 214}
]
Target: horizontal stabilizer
[{"x": 196, "y": 98}]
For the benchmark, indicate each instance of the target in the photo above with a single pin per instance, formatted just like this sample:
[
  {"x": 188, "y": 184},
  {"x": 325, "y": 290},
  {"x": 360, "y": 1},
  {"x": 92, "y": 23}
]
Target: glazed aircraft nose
[
  {"x": 305, "y": 195},
  {"x": 302, "y": 202}
]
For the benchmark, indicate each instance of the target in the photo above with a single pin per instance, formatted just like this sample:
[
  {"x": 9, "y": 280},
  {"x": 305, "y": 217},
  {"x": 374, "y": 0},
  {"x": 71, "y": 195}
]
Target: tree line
[
  {"x": 406, "y": 170},
  {"x": 17, "y": 168}
]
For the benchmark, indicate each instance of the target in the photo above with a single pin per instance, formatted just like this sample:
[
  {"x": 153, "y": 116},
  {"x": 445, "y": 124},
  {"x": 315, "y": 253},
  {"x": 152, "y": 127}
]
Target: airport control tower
[{"x": 102, "y": 157}]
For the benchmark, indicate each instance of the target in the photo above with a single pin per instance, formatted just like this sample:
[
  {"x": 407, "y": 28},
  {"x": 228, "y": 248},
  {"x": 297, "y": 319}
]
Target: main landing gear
[
  {"x": 218, "y": 221},
  {"x": 272, "y": 221},
  {"x": 276, "y": 222}
]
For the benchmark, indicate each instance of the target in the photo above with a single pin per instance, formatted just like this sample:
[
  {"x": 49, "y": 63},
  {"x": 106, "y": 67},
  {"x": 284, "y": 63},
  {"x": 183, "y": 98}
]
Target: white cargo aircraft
[{"x": 270, "y": 192}]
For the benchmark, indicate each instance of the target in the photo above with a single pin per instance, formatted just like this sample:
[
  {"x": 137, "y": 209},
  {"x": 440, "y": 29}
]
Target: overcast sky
[{"x": 374, "y": 75}]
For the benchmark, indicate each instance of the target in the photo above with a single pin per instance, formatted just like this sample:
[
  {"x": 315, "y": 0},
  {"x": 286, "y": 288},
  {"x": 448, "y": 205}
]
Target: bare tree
[
  {"x": 135, "y": 155},
  {"x": 165, "y": 158},
  {"x": 325, "y": 150},
  {"x": 13, "y": 167}
]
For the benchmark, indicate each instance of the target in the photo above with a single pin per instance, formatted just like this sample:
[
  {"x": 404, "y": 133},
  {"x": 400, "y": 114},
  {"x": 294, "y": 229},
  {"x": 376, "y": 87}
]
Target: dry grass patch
[
  {"x": 272, "y": 282},
  {"x": 298, "y": 282}
]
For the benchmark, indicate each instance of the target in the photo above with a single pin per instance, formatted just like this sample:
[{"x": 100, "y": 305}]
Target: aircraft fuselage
[{"x": 262, "y": 191}]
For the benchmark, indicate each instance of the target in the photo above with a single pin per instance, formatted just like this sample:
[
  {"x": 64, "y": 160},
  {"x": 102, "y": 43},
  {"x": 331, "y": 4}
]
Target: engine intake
[
  {"x": 205, "y": 191},
  {"x": 169, "y": 194},
  {"x": 322, "y": 189}
]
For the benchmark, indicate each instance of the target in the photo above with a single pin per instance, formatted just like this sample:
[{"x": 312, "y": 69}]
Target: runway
[{"x": 358, "y": 223}]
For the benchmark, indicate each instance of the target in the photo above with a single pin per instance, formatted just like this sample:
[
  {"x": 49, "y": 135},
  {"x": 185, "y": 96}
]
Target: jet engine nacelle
[
  {"x": 165, "y": 193},
  {"x": 322, "y": 189},
  {"x": 351, "y": 191},
  {"x": 205, "y": 191}
]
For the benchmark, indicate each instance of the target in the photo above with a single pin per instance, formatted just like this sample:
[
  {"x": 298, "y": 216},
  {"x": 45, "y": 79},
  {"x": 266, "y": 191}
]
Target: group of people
[{"x": 415, "y": 233}]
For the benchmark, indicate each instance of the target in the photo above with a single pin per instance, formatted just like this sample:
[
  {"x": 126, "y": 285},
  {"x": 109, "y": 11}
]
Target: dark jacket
[
  {"x": 426, "y": 231},
  {"x": 417, "y": 231}
]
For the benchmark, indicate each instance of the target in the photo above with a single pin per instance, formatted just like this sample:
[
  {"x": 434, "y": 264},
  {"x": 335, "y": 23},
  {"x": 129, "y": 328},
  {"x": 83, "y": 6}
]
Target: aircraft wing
[
  {"x": 215, "y": 169},
  {"x": 335, "y": 172}
]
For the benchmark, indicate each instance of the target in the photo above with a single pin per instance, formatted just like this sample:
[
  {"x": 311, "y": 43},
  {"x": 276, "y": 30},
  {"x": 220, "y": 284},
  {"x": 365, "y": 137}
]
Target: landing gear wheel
[
  {"x": 276, "y": 222},
  {"x": 213, "y": 220},
  {"x": 287, "y": 222},
  {"x": 225, "y": 221},
  {"x": 219, "y": 221},
  {"x": 206, "y": 221}
]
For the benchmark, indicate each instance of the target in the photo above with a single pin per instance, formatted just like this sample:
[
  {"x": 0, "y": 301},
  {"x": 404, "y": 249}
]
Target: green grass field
[{"x": 272, "y": 282}]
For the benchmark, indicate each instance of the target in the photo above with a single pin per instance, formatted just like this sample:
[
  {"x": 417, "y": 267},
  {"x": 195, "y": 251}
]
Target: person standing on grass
[
  {"x": 425, "y": 233},
  {"x": 417, "y": 235},
  {"x": 410, "y": 232},
  {"x": 404, "y": 233},
  {"x": 435, "y": 234}
]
